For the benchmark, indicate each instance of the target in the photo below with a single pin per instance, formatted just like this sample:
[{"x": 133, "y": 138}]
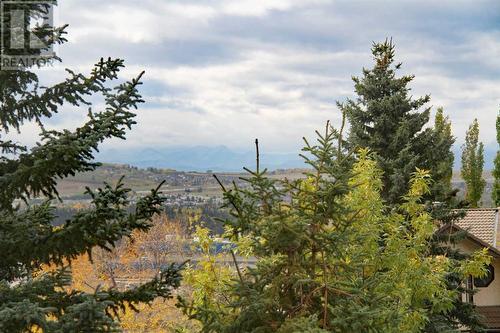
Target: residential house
[{"x": 482, "y": 227}]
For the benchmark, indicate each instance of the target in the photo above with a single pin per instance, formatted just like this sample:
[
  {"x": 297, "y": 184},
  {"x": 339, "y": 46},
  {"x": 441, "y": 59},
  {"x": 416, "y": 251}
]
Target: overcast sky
[{"x": 225, "y": 72}]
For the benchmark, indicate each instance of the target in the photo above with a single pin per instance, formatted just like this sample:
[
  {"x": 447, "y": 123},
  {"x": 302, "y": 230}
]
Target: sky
[{"x": 226, "y": 72}]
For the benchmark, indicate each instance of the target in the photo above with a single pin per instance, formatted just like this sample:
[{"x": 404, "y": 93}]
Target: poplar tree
[
  {"x": 35, "y": 260},
  {"x": 495, "y": 195},
  {"x": 443, "y": 168},
  {"x": 472, "y": 165}
]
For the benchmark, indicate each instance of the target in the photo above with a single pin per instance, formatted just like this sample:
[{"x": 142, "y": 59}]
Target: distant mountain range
[
  {"x": 222, "y": 158},
  {"x": 199, "y": 158}
]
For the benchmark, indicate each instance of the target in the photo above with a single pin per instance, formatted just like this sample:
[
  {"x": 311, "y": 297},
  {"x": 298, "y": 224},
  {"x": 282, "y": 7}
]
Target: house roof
[
  {"x": 492, "y": 250},
  {"x": 491, "y": 316},
  {"x": 481, "y": 223},
  {"x": 482, "y": 227}
]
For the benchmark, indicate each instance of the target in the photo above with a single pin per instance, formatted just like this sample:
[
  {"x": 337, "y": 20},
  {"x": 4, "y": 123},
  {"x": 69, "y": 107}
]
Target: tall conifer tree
[
  {"x": 33, "y": 299},
  {"x": 472, "y": 165},
  {"x": 387, "y": 120},
  {"x": 495, "y": 195}
]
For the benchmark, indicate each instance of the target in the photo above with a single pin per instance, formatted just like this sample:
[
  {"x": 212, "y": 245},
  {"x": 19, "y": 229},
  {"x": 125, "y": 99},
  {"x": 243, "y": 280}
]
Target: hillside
[
  {"x": 198, "y": 158},
  {"x": 199, "y": 183}
]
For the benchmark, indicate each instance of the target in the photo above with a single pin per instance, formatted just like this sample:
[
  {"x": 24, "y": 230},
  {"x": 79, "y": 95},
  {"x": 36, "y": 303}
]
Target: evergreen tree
[
  {"x": 34, "y": 298},
  {"x": 331, "y": 257},
  {"x": 495, "y": 195},
  {"x": 472, "y": 165},
  {"x": 386, "y": 119}
]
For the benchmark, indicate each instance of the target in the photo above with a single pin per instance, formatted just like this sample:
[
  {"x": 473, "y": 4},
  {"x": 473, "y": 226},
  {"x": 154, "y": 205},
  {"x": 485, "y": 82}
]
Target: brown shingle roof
[
  {"x": 481, "y": 223},
  {"x": 491, "y": 316}
]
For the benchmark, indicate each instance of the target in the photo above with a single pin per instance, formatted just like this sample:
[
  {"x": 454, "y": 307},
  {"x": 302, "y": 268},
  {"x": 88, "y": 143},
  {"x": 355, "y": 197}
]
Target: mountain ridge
[
  {"x": 222, "y": 158},
  {"x": 198, "y": 158}
]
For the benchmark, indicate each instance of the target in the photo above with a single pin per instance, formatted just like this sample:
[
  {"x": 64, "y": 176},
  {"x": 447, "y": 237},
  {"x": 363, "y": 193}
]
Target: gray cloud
[{"x": 225, "y": 72}]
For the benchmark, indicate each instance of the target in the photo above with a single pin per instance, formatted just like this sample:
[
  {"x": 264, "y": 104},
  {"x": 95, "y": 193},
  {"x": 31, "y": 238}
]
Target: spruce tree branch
[
  {"x": 341, "y": 132},
  {"x": 39, "y": 243},
  {"x": 257, "y": 157},
  {"x": 66, "y": 153},
  {"x": 14, "y": 110},
  {"x": 230, "y": 198},
  {"x": 237, "y": 266}
]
